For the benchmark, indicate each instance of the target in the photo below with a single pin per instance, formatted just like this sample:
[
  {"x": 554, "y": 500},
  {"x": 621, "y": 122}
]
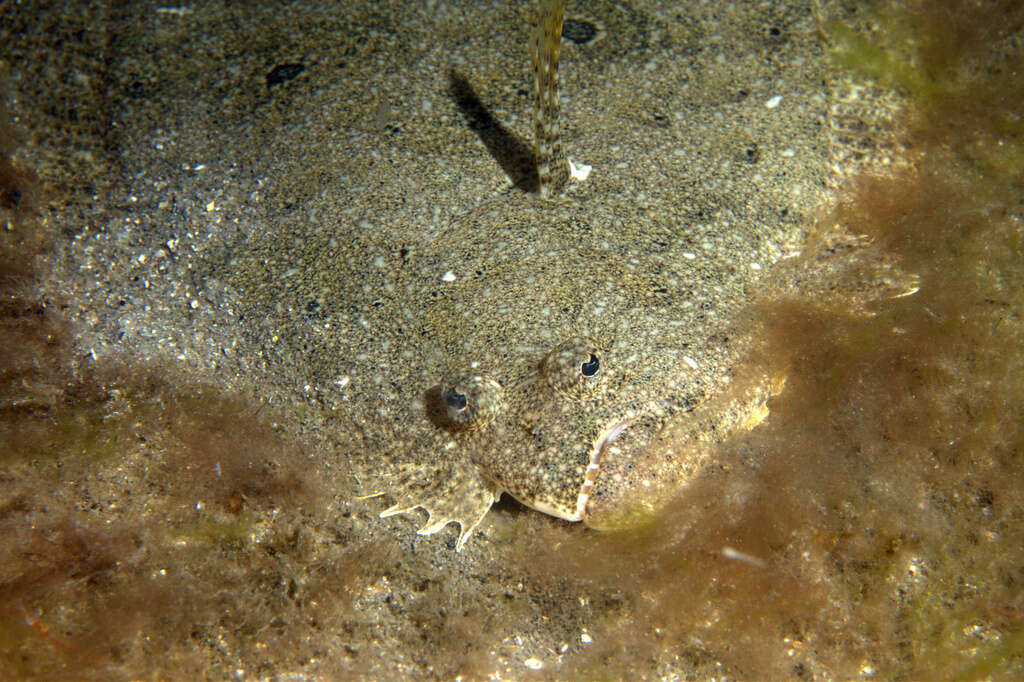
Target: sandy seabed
[{"x": 181, "y": 473}]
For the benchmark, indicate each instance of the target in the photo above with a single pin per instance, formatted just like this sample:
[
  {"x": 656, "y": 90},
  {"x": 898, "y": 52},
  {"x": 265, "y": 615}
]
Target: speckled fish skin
[
  {"x": 298, "y": 200},
  {"x": 344, "y": 238}
]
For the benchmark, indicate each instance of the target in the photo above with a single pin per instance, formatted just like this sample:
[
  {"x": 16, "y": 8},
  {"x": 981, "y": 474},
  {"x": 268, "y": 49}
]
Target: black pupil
[
  {"x": 454, "y": 399},
  {"x": 590, "y": 367}
]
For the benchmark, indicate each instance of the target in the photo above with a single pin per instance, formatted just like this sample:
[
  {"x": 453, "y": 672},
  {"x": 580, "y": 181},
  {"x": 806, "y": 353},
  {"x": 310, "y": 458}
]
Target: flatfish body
[{"x": 339, "y": 211}]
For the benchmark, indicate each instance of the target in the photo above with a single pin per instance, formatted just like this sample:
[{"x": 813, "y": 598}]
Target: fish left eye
[
  {"x": 573, "y": 367},
  {"x": 454, "y": 401},
  {"x": 470, "y": 400}
]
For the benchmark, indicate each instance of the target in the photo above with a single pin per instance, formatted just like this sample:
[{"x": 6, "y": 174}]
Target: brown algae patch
[{"x": 871, "y": 526}]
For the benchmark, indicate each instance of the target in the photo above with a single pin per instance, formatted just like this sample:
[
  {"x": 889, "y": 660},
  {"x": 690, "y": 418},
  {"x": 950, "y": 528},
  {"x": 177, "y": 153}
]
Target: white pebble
[
  {"x": 448, "y": 276},
  {"x": 533, "y": 664},
  {"x": 773, "y": 102},
  {"x": 580, "y": 172}
]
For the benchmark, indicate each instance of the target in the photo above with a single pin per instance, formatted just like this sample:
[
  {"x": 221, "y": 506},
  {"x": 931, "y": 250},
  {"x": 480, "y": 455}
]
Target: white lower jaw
[{"x": 560, "y": 513}]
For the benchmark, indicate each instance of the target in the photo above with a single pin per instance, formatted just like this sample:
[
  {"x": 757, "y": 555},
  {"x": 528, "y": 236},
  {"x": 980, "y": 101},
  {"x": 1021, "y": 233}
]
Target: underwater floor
[{"x": 170, "y": 514}]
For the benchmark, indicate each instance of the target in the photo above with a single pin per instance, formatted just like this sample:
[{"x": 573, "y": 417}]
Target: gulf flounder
[{"x": 323, "y": 215}]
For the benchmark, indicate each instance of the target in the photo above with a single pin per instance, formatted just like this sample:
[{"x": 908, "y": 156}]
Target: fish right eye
[{"x": 573, "y": 368}]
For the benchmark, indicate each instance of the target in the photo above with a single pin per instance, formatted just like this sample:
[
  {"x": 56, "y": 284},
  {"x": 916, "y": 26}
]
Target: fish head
[{"x": 572, "y": 348}]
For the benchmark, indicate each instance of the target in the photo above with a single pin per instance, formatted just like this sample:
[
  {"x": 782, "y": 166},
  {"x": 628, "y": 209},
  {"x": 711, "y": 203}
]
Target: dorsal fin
[{"x": 552, "y": 165}]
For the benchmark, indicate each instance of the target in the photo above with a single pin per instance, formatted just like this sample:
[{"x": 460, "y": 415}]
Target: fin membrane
[{"x": 452, "y": 492}]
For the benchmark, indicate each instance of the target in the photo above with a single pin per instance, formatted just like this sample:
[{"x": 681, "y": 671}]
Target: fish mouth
[{"x": 596, "y": 455}]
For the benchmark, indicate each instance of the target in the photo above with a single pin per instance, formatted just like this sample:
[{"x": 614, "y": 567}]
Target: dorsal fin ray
[{"x": 552, "y": 165}]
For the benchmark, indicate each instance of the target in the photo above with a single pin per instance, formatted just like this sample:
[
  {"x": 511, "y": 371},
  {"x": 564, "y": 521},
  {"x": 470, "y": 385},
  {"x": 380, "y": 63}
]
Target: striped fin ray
[{"x": 552, "y": 165}]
